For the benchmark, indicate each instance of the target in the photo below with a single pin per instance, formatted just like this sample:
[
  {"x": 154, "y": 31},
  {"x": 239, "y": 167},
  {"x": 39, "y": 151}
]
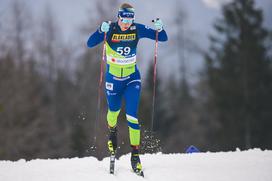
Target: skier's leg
[
  {"x": 114, "y": 98},
  {"x": 112, "y": 118},
  {"x": 132, "y": 97},
  {"x": 112, "y": 122},
  {"x": 113, "y": 91}
]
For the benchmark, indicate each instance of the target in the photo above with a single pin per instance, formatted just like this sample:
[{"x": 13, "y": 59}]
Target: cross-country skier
[{"x": 122, "y": 79}]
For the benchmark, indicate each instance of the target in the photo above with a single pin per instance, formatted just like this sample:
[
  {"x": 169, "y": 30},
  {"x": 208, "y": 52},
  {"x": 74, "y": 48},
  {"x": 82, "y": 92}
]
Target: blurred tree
[
  {"x": 49, "y": 53},
  {"x": 182, "y": 116},
  {"x": 29, "y": 128},
  {"x": 25, "y": 125},
  {"x": 18, "y": 31},
  {"x": 239, "y": 76}
]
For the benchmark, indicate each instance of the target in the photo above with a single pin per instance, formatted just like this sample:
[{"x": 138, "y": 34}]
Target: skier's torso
[{"x": 121, "y": 47}]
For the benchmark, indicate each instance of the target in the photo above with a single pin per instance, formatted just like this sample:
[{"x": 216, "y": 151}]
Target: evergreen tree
[{"x": 239, "y": 76}]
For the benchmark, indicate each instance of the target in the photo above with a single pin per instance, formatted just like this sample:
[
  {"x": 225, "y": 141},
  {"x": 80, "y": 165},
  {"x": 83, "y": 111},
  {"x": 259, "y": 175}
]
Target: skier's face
[{"x": 125, "y": 23}]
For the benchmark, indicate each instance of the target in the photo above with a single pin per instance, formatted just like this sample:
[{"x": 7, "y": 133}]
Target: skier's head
[{"x": 125, "y": 16}]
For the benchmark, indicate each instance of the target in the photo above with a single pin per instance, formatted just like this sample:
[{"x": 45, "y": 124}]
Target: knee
[
  {"x": 133, "y": 122},
  {"x": 112, "y": 118}
]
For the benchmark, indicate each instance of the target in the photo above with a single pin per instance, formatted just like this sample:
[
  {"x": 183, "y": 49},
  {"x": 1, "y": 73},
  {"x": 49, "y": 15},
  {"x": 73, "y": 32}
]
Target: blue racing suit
[{"x": 122, "y": 79}]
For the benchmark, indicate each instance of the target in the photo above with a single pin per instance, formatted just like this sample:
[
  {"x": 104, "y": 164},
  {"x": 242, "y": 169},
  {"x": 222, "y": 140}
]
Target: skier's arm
[
  {"x": 96, "y": 38},
  {"x": 146, "y": 32}
]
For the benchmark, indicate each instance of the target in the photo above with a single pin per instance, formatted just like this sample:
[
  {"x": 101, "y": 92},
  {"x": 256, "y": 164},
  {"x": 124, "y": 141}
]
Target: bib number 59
[{"x": 123, "y": 50}]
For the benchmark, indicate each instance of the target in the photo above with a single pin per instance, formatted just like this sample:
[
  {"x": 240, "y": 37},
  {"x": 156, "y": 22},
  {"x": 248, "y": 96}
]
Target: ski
[
  {"x": 112, "y": 163},
  {"x": 139, "y": 173}
]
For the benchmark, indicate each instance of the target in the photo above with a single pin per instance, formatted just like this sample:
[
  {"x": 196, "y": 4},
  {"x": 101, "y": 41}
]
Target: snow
[{"x": 251, "y": 165}]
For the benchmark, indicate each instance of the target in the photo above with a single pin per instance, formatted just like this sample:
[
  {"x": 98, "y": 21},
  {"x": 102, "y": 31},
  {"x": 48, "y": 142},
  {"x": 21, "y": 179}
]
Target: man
[{"x": 122, "y": 77}]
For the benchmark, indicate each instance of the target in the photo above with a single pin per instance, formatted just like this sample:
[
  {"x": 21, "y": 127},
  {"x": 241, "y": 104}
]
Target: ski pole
[
  {"x": 98, "y": 112},
  {"x": 154, "y": 79}
]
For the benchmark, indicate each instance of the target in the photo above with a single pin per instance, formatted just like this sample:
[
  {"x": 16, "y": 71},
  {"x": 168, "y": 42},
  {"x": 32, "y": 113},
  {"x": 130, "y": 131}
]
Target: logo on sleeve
[
  {"x": 133, "y": 28},
  {"x": 147, "y": 27}
]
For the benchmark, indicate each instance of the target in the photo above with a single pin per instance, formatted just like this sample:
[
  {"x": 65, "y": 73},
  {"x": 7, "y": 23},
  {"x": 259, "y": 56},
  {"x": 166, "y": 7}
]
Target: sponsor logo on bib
[
  {"x": 123, "y": 61},
  {"x": 123, "y": 37}
]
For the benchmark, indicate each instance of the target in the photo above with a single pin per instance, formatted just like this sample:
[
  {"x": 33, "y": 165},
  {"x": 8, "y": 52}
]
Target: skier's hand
[
  {"x": 158, "y": 24},
  {"x": 105, "y": 27}
]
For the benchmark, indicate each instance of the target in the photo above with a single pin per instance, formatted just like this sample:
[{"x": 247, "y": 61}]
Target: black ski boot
[
  {"x": 112, "y": 143},
  {"x": 136, "y": 162}
]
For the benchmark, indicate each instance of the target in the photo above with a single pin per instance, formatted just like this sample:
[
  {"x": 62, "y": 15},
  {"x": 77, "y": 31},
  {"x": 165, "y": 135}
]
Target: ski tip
[
  {"x": 112, "y": 162},
  {"x": 140, "y": 173}
]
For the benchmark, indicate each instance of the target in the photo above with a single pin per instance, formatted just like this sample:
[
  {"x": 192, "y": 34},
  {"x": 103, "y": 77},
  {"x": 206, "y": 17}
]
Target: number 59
[{"x": 123, "y": 50}]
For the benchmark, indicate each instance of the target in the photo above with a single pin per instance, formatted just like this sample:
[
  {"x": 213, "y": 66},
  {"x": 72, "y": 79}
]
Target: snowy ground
[{"x": 251, "y": 165}]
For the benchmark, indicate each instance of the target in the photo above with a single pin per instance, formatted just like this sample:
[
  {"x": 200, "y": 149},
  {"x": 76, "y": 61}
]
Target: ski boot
[
  {"x": 112, "y": 146},
  {"x": 136, "y": 163},
  {"x": 112, "y": 143}
]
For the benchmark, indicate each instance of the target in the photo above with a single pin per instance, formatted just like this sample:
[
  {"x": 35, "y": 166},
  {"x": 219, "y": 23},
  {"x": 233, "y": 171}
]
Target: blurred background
[{"x": 214, "y": 84}]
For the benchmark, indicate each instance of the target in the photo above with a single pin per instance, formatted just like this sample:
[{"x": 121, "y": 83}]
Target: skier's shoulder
[
  {"x": 142, "y": 30},
  {"x": 141, "y": 26},
  {"x": 113, "y": 24}
]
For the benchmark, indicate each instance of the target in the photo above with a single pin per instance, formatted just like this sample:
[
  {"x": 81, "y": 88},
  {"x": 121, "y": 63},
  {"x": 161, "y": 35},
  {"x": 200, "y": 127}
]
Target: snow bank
[{"x": 251, "y": 165}]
